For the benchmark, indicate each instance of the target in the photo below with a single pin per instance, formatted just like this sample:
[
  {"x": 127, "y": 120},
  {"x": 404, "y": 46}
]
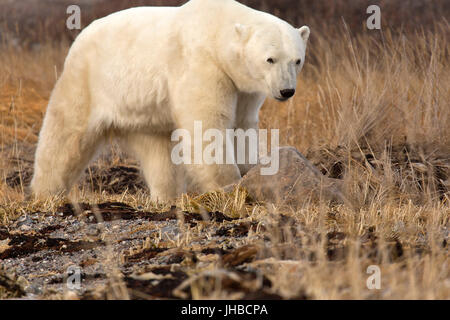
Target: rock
[
  {"x": 25, "y": 228},
  {"x": 24, "y": 223},
  {"x": 296, "y": 183}
]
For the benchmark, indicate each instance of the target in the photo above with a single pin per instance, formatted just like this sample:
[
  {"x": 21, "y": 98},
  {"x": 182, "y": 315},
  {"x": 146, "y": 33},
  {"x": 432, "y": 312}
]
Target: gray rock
[
  {"x": 296, "y": 183},
  {"x": 24, "y": 223}
]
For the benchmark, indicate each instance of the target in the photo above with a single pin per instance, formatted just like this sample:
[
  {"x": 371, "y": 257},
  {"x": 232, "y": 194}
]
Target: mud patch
[
  {"x": 110, "y": 211},
  {"x": 112, "y": 180},
  {"x": 237, "y": 230},
  {"x": 22, "y": 244},
  {"x": 245, "y": 285},
  {"x": 146, "y": 254},
  {"x": 240, "y": 256},
  {"x": 162, "y": 284}
]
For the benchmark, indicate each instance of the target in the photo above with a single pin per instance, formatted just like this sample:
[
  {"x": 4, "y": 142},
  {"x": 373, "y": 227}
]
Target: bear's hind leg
[
  {"x": 65, "y": 146},
  {"x": 61, "y": 158}
]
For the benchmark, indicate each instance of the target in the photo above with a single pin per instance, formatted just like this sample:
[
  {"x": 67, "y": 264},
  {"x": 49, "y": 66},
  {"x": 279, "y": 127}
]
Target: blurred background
[{"x": 33, "y": 20}]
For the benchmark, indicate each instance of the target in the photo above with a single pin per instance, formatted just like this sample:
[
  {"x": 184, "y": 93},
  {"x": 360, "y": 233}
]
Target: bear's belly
[
  {"x": 133, "y": 103},
  {"x": 151, "y": 117}
]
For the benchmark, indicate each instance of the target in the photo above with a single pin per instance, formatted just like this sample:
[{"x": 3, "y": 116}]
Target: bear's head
[{"x": 269, "y": 58}]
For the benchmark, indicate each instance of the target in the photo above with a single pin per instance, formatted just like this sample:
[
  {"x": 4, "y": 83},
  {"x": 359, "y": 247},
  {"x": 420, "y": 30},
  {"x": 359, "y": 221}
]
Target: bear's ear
[
  {"x": 242, "y": 31},
  {"x": 304, "y": 33}
]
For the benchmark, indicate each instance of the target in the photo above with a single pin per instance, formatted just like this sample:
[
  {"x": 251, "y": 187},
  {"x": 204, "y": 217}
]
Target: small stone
[{"x": 25, "y": 228}]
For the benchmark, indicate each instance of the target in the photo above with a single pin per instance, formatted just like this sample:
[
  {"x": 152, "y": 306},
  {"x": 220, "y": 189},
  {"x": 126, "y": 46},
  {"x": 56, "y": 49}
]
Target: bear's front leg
[
  {"x": 247, "y": 118},
  {"x": 206, "y": 109},
  {"x": 210, "y": 164}
]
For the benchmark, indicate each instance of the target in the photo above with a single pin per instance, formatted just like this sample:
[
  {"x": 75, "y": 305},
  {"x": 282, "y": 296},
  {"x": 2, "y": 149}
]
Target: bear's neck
[{"x": 222, "y": 36}]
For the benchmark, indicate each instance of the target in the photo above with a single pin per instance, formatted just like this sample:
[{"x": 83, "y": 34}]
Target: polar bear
[{"x": 138, "y": 74}]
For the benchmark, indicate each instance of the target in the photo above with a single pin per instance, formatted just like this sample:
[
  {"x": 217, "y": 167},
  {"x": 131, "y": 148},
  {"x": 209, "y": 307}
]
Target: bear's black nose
[{"x": 287, "y": 93}]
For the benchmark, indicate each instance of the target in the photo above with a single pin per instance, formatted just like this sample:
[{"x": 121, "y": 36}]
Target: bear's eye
[
  {"x": 271, "y": 60},
  {"x": 298, "y": 62}
]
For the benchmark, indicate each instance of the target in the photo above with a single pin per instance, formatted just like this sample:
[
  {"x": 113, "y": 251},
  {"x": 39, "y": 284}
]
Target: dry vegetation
[{"x": 372, "y": 109}]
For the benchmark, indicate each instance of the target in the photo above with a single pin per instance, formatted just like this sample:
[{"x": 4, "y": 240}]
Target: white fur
[{"x": 141, "y": 73}]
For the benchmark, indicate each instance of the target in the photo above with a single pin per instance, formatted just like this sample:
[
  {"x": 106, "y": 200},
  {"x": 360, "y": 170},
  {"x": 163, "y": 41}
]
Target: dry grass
[{"x": 372, "y": 109}]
